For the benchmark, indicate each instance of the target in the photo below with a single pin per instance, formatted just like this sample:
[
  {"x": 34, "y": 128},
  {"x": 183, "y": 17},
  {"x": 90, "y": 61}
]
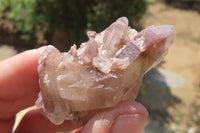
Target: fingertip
[
  {"x": 42, "y": 48},
  {"x": 131, "y": 115},
  {"x": 135, "y": 107},
  {"x": 35, "y": 53},
  {"x": 129, "y": 123}
]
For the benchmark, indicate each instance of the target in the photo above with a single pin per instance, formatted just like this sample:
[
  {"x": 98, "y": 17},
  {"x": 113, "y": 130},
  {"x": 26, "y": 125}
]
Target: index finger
[{"x": 18, "y": 82}]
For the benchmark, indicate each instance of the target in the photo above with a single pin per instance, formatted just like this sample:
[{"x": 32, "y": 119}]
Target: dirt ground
[
  {"x": 6, "y": 51},
  {"x": 184, "y": 55},
  {"x": 184, "y": 59}
]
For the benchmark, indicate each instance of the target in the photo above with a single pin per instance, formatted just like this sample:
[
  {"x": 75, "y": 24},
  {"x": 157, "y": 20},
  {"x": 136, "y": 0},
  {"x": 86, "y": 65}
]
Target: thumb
[{"x": 126, "y": 117}]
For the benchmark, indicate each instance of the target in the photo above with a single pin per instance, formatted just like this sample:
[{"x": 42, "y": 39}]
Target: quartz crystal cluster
[{"x": 105, "y": 70}]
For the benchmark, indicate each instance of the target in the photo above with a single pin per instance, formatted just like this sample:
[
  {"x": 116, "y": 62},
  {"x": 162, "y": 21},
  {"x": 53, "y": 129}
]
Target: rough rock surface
[{"x": 105, "y": 70}]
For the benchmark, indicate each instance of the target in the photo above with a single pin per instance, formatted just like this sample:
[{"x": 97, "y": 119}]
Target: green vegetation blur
[{"x": 29, "y": 17}]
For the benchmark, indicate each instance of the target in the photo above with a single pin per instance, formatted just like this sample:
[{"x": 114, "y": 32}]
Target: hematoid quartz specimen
[{"x": 105, "y": 70}]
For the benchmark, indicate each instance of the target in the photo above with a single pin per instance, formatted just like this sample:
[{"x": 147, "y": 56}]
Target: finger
[
  {"x": 19, "y": 72},
  {"x": 127, "y": 117},
  {"x": 7, "y": 125},
  {"x": 18, "y": 82},
  {"x": 129, "y": 124},
  {"x": 35, "y": 122}
]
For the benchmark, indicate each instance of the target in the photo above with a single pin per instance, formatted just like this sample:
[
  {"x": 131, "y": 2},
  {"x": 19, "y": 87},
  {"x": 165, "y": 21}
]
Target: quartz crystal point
[{"x": 105, "y": 70}]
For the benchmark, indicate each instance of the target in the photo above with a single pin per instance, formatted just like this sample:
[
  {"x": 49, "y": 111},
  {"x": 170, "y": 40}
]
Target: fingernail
[{"x": 132, "y": 123}]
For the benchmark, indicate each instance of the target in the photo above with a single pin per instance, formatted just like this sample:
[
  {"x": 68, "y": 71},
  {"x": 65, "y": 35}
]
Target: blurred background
[{"x": 171, "y": 91}]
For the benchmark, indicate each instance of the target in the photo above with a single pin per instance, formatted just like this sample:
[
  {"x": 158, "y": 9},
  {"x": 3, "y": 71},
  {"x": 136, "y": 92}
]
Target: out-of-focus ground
[
  {"x": 7, "y": 51},
  {"x": 183, "y": 58}
]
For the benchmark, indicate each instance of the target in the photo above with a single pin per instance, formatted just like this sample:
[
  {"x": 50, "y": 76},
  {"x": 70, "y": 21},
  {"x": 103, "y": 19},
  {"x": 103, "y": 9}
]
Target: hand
[{"x": 19, "y": 89}]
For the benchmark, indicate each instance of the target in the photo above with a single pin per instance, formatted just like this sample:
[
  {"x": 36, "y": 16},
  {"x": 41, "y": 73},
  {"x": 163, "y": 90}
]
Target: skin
[{"x": 19, "y": 89}]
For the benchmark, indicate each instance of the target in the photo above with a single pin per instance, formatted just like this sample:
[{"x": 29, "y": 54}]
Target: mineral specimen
[{"x": 105, "y": 70}]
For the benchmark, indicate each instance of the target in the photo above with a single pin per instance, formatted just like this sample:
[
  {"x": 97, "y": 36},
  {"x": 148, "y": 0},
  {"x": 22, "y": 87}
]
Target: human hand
[{"x": 19, "y": 89}]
